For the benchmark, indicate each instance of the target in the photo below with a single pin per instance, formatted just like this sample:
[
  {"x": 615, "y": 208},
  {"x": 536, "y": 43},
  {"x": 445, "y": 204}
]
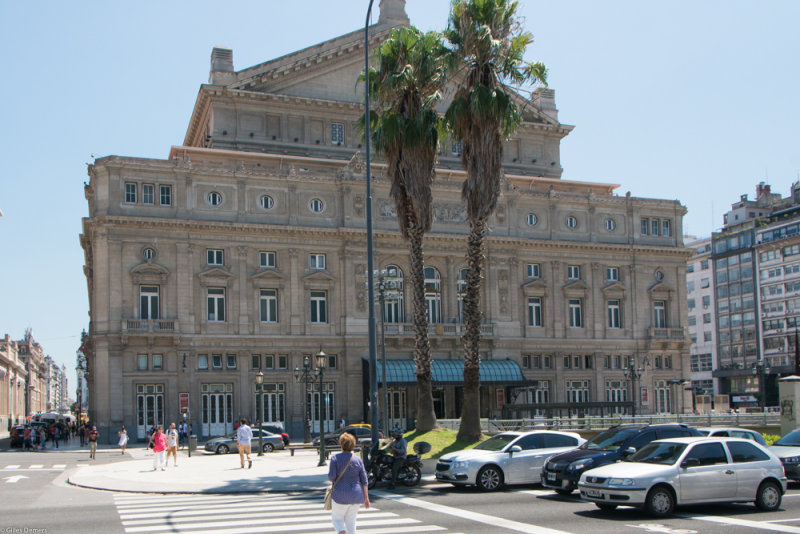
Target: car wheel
[
  {"x": 490, "y": 478},
  {"x": 564, "y": 491},
  {"x": 269, "y": 447},
  {"x": 660, "y": 501},
  {"x": 606, "y": 507},
  {"x": 768, "y": 497},
  {"x": 222, "y": 449}
]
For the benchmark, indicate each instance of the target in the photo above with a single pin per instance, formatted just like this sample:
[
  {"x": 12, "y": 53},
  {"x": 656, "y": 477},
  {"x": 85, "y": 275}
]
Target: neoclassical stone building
[{"x": 245, "y": 251}]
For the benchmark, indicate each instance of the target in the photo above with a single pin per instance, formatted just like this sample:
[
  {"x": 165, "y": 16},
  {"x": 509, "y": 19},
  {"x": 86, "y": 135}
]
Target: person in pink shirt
[{"x": 160, "y": 449}]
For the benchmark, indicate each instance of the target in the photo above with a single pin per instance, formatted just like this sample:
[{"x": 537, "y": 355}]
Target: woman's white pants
[{"x": 344, "y": 517}]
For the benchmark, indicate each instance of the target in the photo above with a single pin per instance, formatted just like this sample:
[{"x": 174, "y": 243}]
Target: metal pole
[
  {"x": 321, "y": 421},
  {"x": 373, "y": 349},
  {"x": 385, "y": 407},
  {"x": 260, "y": 430}
]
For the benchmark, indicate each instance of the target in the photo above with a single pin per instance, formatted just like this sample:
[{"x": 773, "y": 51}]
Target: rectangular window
[
  {"x": 533, "y": 270},
  {"x": 666, "y": 228},
  {"x": 216, "y": 304},
  {"x": 575, "y": 315},
  {"x": 215, "y": 256},
  {"x": 230, "y": 361},
  {"x": 567, "y": 362},
  {"x": 142, "y": 362},
  {"x": 612, "y": 274},
  {"x": 659, "y": 314},
  {"x": 267, "y": 260},
  {"x": 337, "y": 133},
  {"x": 706, "y": 301},
  {"x": 645, "y": 224},
  {"x": 526, "y": 362},
  {"x": 534, "y": 311},
  {"x": 690, "y": 268},
  {"x": 158, "y": 361},
  {"x": 165, "y": 198},
  {"x": 255, "y": 361},
  {"x": 148, "y": 194},
  {"x": 319, "y": 307},
  {"x": 588, "y": 362},
  {"x": 202, "y": 361},
  {"x": 546, "y": 362},
  {"x": 614, "y": 317},
  {"x": 317, "y": 261},
  {"x": 332, "y": 361},
  {"x": 703, "y": 265},
  {"x": 692, "y": 320},
  {"x": 654, "y": 227},
  {"x": 573, "y": 272},
  {"x": 216, "y": 361},
  {"x": 148, "y": 302},
  {"x": 706, "y": 318},
  {"x": 704, "y": 283},
  {"x": 691, "y": 304},
  {"x": 268, "y": 305},
  {"x": 269, "y": 361},
  {"x": 283, "y": 361},
  {"x": 130, "y": 193}
]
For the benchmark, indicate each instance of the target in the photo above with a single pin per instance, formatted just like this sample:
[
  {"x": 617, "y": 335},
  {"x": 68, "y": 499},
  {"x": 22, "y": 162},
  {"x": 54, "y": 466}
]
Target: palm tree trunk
[
  {"x": 426, "y": 418},
  {"x": 470, "y": 428}
]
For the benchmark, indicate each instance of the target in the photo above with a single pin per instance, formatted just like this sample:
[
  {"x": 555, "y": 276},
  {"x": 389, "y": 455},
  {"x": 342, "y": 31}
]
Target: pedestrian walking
[
  {"x": 160, "y": 449},
  {"x": 92, "y": 437},
  {"x": 56, "y": 435},
  {"x": 244, "y": 436},
  {"x": 181, "y": 434},
  {"x": 27, "y": 439},
  {"x": 172, "y": 444},
  {"x": 82, "y": 434},
  {"x": 349, "y": 479},
  {"x": 123, "y": 439}
]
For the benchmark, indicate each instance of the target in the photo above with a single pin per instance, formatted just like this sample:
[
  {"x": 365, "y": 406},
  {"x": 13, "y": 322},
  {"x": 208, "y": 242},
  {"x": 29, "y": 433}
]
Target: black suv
[{"x": 562, "y": 471}]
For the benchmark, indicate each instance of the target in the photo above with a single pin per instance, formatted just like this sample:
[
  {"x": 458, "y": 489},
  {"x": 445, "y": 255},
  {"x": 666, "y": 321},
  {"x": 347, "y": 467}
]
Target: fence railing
[{"x": 493, "y": 426}]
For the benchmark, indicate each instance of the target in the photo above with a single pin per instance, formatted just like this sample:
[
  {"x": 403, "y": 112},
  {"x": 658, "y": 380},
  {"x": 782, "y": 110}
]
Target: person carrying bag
[{"x": 349, "y": 486}]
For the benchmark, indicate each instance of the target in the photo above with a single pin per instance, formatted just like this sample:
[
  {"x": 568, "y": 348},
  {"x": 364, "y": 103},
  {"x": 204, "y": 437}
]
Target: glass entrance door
[
  {"x": 398, "y": 416},
  {"x": 149, "y": 408},
  {"x": 217, "y": 406}
]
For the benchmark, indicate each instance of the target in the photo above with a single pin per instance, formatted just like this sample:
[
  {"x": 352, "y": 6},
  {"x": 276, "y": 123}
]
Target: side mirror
[
  {"x": 690, "y": 462},
  {"x": 515, "y": 448}
]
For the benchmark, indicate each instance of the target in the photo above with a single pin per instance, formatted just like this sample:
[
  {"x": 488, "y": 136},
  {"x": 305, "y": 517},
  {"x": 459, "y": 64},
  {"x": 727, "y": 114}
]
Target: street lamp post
[
  {"x": 321, "y": 357},
  {"x": 388, "y": 289},
  {"x": 760, "y": 371},
  {"x": 260, "y": 411},
  {"x": 305, "y": 377},
  {"x": 633, "y": 373}
]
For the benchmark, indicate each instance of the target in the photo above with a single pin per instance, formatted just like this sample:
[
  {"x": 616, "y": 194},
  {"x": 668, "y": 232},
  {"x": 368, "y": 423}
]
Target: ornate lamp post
[
  {"x": 321, "y": 357},
  {"x": 388, "y": 287},
  {"x": 305, "y": 377},
  {"x": 259, "y": 411},
  {"x": 633, "y": 373},
  {"x": 760, "y": 371}
]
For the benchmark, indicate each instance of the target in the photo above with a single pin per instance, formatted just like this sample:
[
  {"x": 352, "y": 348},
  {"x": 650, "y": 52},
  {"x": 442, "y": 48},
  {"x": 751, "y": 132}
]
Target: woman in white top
[
  {"x": 123, "y": 439},
  {"x": 172, "y": 443}
]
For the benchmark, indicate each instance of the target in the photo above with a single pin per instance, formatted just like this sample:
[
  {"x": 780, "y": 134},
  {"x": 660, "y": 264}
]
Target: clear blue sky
[{"x": 689, "y": 100}]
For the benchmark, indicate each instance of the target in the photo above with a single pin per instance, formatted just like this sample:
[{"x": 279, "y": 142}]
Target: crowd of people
[{"x": 37, "y": 435}]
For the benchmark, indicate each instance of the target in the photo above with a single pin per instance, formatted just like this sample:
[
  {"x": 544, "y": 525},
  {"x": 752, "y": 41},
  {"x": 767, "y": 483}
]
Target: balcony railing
[
  {"x": 436, "y": 329},
  {"x": 149, "y": 325},
  {"x": 666, "y": 333}
]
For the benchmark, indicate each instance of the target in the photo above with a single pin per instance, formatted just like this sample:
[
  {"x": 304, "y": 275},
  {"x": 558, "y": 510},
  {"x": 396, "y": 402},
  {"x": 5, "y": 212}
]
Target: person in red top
[
  {"x": 160, "y": 449},
  {"x": 93, "y": 442}
]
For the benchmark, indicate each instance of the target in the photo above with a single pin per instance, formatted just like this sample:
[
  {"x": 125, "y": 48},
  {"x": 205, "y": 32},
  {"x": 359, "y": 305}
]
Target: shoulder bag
[{"x": 328, "y": 500}]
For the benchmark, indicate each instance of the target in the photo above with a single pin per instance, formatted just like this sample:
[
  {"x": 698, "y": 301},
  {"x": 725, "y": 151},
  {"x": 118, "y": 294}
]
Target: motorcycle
[{"x": 410, "y": 473}]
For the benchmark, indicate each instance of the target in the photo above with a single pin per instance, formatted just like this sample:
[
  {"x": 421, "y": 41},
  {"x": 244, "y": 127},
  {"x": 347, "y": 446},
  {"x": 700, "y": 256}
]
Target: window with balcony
[
  {"x": 659, "y": 314},
  {"x": 149, "y": 302},
  {"x": 433, "y": 295}
]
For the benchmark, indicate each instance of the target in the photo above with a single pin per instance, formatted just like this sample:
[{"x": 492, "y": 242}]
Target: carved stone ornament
[{"x": 450, "y": 213}]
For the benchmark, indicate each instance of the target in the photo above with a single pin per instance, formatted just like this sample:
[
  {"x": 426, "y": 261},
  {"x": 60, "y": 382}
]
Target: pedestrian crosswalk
[
  {"x": 34, "y": 467},
  {"x": 233, "y": 514}
]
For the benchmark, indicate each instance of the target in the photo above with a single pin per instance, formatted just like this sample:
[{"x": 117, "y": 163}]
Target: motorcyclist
[{"x": 398, "y": 449}]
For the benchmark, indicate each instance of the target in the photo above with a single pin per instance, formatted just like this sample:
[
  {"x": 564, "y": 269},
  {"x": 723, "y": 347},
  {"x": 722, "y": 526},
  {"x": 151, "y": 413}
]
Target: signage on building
[
  {"x": 743, "y": 398},
  {"x": 501, "y": 397},
  {"x": 643, "y": 396},
  {"x": 183, "y": 402}
]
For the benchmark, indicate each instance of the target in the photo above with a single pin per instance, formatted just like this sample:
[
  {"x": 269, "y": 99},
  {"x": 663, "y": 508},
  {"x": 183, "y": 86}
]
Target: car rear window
[
  {"x": 745, "y": 452},
  {"x": 610, "y": 440}
]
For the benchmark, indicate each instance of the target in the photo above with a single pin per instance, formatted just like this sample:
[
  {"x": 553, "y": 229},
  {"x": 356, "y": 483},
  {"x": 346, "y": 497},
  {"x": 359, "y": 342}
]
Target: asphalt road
[{"x": 35, "y": 495}]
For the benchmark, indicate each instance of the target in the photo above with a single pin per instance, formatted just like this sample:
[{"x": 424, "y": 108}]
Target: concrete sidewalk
[{"x": 208, "y": 473}]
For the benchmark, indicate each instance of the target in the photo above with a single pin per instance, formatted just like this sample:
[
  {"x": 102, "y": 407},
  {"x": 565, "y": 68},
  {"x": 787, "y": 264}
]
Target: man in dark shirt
[{"x": 398, "y": 448}]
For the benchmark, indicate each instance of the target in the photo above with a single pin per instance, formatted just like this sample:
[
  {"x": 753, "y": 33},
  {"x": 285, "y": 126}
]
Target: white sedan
[
  {"x": 507, "y": 458},
  {"x": 677, "y": 471}
]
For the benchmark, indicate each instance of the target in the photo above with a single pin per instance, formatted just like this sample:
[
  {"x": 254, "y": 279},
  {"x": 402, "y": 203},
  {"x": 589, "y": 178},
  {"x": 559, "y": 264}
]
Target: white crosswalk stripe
[
  {"x": 230, "y": 514},
  {"x": 35, "y": 467}
]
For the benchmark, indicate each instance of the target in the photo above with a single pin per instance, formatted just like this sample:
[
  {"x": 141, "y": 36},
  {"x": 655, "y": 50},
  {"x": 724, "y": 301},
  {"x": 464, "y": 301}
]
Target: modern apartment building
[
  {"x": 702, "y": 318},
  {"x": 244, "y": 252}
]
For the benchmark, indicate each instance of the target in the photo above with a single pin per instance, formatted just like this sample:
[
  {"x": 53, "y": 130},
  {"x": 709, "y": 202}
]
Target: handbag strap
[{"x": 343, "y": 470}]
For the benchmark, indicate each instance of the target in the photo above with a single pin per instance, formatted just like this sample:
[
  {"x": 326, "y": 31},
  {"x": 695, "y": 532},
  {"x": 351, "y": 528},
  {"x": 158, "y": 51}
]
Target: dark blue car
[{"x": 562, "y": 471}]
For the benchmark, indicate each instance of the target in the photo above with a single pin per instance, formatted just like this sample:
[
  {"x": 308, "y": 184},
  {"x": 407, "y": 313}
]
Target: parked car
[
  {"x": 361, "y": 431},
  {"x": 732, "y": 432},
  {"x": 226, "y": 444},
  {"x": 507, "y": 458},
  {"x": 562, "y": 471},
  {"x": 17, "y": 436},
  {"x": 788, "y": 450},
  {"x": 277, "y": 428},
  {"x": 679, "y": 471}
]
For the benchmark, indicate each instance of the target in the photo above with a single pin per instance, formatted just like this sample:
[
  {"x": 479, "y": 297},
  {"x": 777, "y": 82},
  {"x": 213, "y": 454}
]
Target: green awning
[{"x": 451, "y": 372}]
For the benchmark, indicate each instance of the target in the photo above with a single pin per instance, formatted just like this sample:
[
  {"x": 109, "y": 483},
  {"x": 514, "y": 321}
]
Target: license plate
[
  {"x": 593, "y": 493},
  {"x": 551, "y": 477}
]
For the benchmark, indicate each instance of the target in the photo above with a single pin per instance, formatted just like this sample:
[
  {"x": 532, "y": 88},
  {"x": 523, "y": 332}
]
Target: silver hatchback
[{"x": 226, "y": 444}]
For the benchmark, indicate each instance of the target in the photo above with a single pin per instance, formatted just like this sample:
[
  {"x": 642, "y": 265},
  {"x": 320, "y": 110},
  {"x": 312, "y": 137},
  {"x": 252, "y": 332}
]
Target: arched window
[
  {"x": 394, "y": 304},
  {"x": 433, "y": 295},
  {"x": 461, "y": 287}
]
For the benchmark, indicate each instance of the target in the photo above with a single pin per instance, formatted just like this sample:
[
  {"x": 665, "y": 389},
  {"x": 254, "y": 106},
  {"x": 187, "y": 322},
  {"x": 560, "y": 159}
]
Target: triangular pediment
[
  {"x": 150, "y": 269},
  {"x": 319, "y": 277},
  {"x": 660, "y": 287},
  {"x": 268, "y": 274},
  {"x": 534, "y": 283},
  {"x": 216, "y": 272},
  {"x": 613, "y": 286},
  {"x": 575, "y": 285}
]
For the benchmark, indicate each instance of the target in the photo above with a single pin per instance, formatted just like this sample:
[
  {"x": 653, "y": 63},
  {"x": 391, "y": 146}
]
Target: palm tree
[
  {"x": 489, "y": 45},
  {"x": 411, "y": 72}
]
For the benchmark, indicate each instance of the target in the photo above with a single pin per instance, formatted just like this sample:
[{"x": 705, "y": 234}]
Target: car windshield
[
  {"x": 610, "y": 440},
  {"x": 792, "y": 439},
  {"x": 496, "y": 443},
  {"x": 665, "y": 453}
]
